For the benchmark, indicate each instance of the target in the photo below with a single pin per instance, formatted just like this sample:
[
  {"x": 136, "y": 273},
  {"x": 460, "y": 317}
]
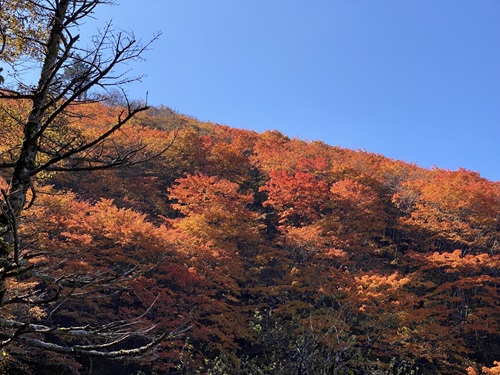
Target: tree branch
[{"x": 120, "y": 122}]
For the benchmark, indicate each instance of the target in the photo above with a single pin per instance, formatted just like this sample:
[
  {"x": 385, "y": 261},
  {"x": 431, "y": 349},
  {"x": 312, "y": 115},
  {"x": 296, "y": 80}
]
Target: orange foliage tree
[
  {"x": 356, "y": 211},
  {"x": 456, "y": 208},
  {"x": 215, "y": 211}
]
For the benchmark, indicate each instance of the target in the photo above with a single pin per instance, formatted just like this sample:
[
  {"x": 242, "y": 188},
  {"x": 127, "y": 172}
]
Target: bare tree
[{"x": 70, "y": 75}]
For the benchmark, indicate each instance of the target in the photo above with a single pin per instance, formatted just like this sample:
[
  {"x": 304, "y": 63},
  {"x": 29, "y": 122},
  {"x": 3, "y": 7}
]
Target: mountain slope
[{"x": 284, "y": 256}]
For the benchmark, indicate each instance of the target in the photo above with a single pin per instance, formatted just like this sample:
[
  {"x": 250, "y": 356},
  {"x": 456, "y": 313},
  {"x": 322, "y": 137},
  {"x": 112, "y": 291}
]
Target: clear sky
[{"x": 415, "y": 80}]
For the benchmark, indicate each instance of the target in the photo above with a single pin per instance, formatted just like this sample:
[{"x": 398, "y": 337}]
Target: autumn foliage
[{"x": 283, "y": 256}]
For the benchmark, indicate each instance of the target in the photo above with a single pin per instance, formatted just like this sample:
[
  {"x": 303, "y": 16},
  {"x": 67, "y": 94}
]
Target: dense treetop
[{"x": 283, "y": 255}]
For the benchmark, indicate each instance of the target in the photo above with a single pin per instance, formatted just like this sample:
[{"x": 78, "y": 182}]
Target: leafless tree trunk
[{"x": 53, "y": 96}]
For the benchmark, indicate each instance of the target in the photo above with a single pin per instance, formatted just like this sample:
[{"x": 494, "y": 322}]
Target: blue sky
[{"x": 413, "y": 80}]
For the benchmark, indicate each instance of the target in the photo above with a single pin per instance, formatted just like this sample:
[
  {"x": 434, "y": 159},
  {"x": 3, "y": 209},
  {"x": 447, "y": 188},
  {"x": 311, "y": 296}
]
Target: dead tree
[{"x": 43, "y": 149}]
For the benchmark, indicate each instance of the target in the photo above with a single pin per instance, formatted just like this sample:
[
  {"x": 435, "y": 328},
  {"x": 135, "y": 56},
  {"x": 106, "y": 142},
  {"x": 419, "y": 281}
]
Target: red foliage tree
[{"x": 298, "y": 199}]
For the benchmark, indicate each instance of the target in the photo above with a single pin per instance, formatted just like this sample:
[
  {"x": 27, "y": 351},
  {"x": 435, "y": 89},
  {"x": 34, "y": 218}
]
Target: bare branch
[
  {"x": 94, "y": 353},
  {"x": 11, "y": 94},
  {"x": 120, "y": 162},
  {"x": 51, "y": 144},
  {"x": 7, "y": 165},
  {"x": 29, "y": 300},
  {"x": 120, "y": 122},
  {"x": 95, "y": 350}
]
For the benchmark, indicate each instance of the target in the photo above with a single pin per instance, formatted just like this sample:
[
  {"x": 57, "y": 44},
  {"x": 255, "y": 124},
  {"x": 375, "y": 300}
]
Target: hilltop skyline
[{"x": 414, "y": 81}]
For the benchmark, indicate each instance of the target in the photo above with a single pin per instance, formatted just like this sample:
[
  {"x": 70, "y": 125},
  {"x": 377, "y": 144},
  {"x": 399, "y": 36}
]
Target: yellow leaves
[
  {"x": 215, "y": 211},
  {"x": 22, "y": 27},
  {"x": 11, "y": 131},
  {"x": 37, "y": 312},
  {"x": 375, "y": 286}
]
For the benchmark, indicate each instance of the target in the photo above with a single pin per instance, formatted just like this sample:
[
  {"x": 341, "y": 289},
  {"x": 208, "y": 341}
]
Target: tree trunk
[{"x": 21, "y": 180}]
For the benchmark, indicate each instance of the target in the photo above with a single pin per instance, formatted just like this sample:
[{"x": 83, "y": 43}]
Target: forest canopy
[
  {"x": 188, "y": 247},
  {"x": 282, "y": 254}
]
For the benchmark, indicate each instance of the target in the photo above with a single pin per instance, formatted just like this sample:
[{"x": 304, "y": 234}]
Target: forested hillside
[{"x": 267, "y": 255}]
